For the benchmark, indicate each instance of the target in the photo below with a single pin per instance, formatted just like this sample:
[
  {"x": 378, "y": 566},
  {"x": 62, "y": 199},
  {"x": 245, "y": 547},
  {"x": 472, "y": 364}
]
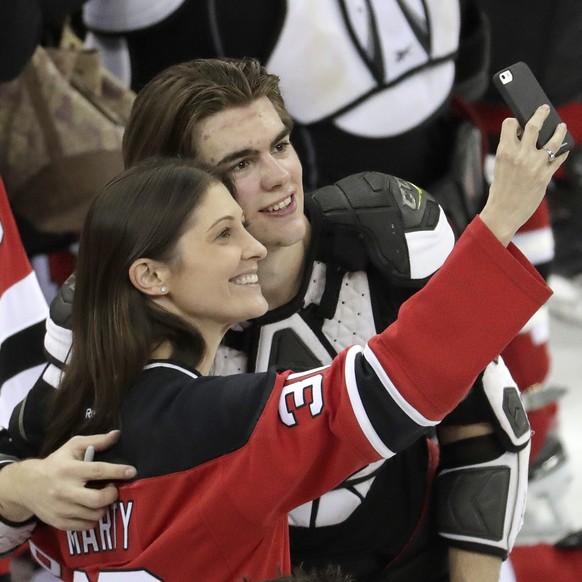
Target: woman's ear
[{"x": 149, "y": 277}]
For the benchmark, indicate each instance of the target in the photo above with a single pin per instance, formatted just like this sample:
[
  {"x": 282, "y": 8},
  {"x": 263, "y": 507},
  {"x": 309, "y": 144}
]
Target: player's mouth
[{"x": 282, "y": 207}]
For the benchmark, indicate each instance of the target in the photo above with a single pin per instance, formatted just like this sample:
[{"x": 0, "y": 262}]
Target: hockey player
[
  {"x": 369, "y": 85},
  {"x": 315, "y": 273},
  {"x": 221, "y": 460}
]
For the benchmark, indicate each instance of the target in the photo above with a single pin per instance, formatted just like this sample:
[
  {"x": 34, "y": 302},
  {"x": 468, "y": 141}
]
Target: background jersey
[
  {"x": 393, "y": 63},
  {"x": 23, "y": 311}
]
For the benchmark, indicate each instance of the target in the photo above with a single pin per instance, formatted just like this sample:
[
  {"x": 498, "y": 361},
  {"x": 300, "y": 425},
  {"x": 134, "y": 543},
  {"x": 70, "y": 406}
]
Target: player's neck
[{"x": 281, "y": 271}]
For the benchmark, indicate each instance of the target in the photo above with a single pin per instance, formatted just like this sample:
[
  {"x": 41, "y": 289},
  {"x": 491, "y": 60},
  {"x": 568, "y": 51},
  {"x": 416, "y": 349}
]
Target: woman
[{"x": 165, "y": 267}]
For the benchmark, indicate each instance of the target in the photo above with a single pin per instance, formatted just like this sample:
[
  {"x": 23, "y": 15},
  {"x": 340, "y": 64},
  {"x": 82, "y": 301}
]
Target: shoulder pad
[
  {"x": 380, "y": 219},
  {"x": 62, "y": 304}
]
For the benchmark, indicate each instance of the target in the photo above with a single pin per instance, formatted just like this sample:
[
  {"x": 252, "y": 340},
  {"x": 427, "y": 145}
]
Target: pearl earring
[{"x": 163, "y": 290}]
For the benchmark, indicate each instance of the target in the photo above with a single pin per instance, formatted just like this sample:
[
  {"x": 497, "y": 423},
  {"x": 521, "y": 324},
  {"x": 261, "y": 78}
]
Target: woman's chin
[{"x": 261, "y": 308}]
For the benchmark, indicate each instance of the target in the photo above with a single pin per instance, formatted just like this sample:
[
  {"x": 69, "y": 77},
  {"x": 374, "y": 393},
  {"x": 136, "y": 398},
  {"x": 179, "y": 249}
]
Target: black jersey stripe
[
  {"x": 374, "y": 402},
  {"x": 22, "y": 351}
]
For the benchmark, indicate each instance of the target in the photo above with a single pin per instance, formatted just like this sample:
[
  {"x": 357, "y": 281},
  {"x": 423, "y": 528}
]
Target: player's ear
[{"x": 149, "y": 276}]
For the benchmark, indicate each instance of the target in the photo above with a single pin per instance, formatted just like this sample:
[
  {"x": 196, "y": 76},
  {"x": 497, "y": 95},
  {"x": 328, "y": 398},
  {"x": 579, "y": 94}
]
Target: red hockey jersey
[{"x": 221, "y": 460}]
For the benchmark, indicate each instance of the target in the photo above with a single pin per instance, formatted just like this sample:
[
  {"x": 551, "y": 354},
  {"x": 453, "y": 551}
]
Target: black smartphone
[{"x": 523, "y": 94}]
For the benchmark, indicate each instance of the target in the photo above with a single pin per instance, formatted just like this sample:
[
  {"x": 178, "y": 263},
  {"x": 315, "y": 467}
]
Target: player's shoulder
[
  {"x": 374, "y": 193},
  {"x": 379, "y": 219},
  {"x": 62, "y": 304}
]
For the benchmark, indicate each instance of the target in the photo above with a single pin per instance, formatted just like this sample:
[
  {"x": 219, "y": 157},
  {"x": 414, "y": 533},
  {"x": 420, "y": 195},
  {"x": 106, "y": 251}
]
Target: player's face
[
  {"x": 214, "y": 278},
  {"x": 253, "y": 144}
]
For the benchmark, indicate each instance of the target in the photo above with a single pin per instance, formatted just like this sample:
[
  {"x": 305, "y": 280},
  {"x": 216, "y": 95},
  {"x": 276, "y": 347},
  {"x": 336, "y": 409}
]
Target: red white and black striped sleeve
[{"x": 23, "y": 311}]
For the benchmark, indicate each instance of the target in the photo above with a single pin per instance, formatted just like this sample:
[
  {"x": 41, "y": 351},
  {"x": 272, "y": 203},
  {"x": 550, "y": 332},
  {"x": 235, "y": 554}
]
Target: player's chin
[{"x": 287, "y": 234}]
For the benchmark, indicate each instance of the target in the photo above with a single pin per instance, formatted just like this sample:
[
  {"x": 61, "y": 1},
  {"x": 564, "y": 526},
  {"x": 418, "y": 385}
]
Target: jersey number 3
[{"x": 303, "y": 393}]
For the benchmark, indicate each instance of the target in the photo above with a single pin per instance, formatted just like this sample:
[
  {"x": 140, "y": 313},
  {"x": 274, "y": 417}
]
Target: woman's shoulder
[
  {"x": 166, "y": 384},
  {"x": 174, "y": 419}
]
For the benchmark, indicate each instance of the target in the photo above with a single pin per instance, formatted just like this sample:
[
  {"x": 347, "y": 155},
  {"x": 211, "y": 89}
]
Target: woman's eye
[{"x": 226, "y": 233}]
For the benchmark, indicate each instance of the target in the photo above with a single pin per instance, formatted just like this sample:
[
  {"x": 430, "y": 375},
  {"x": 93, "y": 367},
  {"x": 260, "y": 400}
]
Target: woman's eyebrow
[{"x": 229, "y": 218}]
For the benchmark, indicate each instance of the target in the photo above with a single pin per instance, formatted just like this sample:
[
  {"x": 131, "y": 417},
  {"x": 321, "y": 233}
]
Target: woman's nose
[{"x": 254, "y": 249}]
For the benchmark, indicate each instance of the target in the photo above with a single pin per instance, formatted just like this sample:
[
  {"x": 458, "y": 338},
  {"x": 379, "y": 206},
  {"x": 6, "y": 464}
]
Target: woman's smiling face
[{"x": 213, "y": 280}]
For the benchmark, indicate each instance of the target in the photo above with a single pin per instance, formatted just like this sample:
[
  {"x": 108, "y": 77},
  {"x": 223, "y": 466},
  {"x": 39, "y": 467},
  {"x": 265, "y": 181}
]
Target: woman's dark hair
[
  {"x": 169, "y": 108},
  {"x": 141, "y": 213}
]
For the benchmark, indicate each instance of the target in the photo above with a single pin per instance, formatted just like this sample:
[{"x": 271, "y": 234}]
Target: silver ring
[{"x": 551, "y": 155}]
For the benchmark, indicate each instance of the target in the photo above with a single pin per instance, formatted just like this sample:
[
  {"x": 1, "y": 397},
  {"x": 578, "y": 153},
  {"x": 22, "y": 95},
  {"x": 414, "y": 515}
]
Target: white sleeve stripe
[
  {"x": 406, "y": 407},
  {"x": 24, "y": 293},
  {"x": 358, "y": 406},
  {"x": 52, "y": 375},
  {"x": 481, "y": 541},
  {"x": 296, "y": 375},
  {"x": 58, "y": 341},
  {"x": 428, "y": 249}
]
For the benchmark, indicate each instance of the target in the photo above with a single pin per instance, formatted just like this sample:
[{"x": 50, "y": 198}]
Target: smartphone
[{"x": 523, "y": 94}]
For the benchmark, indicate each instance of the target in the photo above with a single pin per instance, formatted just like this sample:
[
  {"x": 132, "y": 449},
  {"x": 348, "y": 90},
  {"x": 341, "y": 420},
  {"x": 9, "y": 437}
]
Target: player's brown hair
[{"x": 167, "y": 110}]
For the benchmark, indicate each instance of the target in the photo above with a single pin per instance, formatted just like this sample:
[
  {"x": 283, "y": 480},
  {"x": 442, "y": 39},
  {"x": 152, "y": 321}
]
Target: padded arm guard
[
  {"x": 378, "y": 219},
  {"x": 62, "y": 305},
  {"x": 482, "y": 485},
  {"x": 59, "y": 337}
]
